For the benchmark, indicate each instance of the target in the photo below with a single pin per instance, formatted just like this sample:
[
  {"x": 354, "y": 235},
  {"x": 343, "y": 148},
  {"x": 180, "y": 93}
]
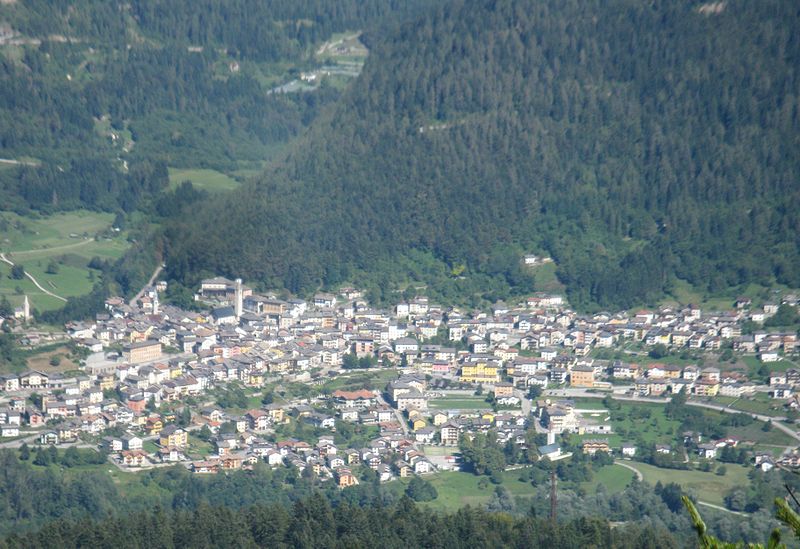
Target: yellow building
[
  {"x": 154, "y": 425},
  {"x": 277, "y": 414},
  {"x": 144, "y": 351},
  {"x": 480, "y": 372},
  {"x": 704, "y": 387},
  {"x": 418, "y": 424},
  {"x": 172, "y": 436}
]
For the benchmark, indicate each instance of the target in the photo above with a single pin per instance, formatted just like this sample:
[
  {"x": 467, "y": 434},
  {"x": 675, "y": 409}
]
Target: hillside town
[{"x": 333, "y": 384}]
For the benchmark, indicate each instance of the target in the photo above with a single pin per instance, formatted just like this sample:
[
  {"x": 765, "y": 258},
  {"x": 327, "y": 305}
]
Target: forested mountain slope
[
  {"x": 90, "y": 89},
  {"x": 636, "y": 142}
]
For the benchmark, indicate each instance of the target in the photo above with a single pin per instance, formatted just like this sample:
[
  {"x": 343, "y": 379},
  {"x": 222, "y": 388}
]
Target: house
[
  {"x": 172, "y": 436},
  {"x": 591, "y": 447},
  {"x": 132, "y": 442},
  {"x": 410, "y": 400},
  {"x": 345, "y": 478},
  {"x": 424, "y": 435},
  {"x": 780, "y": 391},
  {"x": 440, "y": 418},
  {"x": 422, "y": 466},
  {"x": 550, "y": 451},
  {"x": 113, "y": 444},
  {"x": 503, "y": 389},
  {"x": 628, "y": 450},
  {"x": 258, "y": 420},
  {"x": 707, "y": 450},
  {"x": 480, "y": 372},
  {"x": 205, "y": 467},
  {"x": 353, "y": 399},
  {"x": 9, "y": 430},
  {"x": 582, "y": 376},
  {"x": 134, "y": 458},
  {"x": 449, "y": 434},
  {"x": 769, "y": 356}
]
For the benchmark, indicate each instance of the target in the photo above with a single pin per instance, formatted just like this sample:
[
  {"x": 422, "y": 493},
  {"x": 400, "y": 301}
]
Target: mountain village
[{"x": 334, "y": 385}]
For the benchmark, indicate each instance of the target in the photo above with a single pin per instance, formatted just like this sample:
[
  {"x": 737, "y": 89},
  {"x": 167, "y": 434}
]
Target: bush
[{"x": 420, "y": 489}]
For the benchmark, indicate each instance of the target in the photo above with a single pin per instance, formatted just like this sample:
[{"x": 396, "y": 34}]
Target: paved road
[
  {"x": 720, "y": 508},
  {"x": 4, "y": 259},
  {"x": 397, "y": 414},
  {"x": 133, "y": 301},
  {"x": 775, "y": 420},
  {"x": 637, "y": 472}
]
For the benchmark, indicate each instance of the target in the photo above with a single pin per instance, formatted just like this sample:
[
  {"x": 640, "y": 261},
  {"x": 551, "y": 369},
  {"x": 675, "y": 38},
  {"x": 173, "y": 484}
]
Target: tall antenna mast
[{"x": 553, "y": 496}]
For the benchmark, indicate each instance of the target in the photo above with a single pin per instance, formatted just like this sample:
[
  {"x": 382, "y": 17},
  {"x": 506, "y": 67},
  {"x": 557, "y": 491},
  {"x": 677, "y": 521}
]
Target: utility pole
[{"x": 553, "y": 496}]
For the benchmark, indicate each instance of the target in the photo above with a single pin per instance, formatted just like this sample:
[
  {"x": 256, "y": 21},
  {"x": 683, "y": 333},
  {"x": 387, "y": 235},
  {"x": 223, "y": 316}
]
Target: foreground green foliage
[{"x": 784, "y": 513}]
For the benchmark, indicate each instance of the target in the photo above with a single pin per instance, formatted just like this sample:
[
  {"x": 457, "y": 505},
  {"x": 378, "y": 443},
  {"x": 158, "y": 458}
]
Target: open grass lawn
[
  {"x": 754, "y": 432},
  {"x": 754, "y": 364},
  {"x": 457, "y": 489},
  {"x": 684, "y": 293},
  {"x": 208, "y": 180},
  {"x": 41, "y": 361},
  {"x": 654, "y": 428},
  {"x": 150, "y": 447},
  {"x": 589, "y": 403},
  {"x": 199, "y": 448},
  {"x": 357, "y": 379},
  {"x": 708, "y": 487},
  {"x": 70, "y": 240},
  {"x": 613, "y": 477},
  {"x": 459, "y": 403},
  {"x": 761, "y": 404},
  {"x": 546, "y": 279}
]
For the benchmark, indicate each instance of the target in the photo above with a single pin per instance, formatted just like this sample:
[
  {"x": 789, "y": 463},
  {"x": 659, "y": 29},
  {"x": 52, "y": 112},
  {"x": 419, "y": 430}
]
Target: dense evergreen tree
[{"x": 637, "y": 142}]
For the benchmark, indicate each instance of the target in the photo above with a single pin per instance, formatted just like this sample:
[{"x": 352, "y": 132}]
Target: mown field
[
  {"x": 67, "y": 240},
  {"x": 208, "y": 180},
  {"x": 457, "y": 489},
  {"x": 708, "y": 487}
]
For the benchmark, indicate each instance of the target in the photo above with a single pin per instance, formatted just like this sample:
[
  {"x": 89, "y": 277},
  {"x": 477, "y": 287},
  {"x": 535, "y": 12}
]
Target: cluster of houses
[{"x": 150, "y": 353}]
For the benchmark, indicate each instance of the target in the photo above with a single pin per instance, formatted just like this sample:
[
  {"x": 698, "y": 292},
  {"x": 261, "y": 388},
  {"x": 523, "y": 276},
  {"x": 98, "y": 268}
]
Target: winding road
[
  {"x": 133, "y": 301},
  {"x": 640, "y": 478},
  {"x": 4, "y": 259}
]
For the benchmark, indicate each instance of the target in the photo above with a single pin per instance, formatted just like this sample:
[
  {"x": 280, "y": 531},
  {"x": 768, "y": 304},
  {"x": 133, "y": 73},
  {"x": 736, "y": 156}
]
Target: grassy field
[
  {"x": 753, "y": 364},
  {"x": 70, "y": 240},
  {"x": 41, "y": 361},
  {"x": 208, "y": 180},
  {"x": 589, "y": 403},
  {"x": 546, "y": 279},
  {"x": 459, "y": 403},
  {"x": 708, "y": 487},
  {"x": 653, "y": 428},
  {"x": 684, "y": 293},
  {"x": 761, "y": 404},
  {"x": 358, "y": 380},
  {"x": 613, "y": 477},
  {"x": 754, "y": 433},
  {"x": 457, "y": 489}
]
